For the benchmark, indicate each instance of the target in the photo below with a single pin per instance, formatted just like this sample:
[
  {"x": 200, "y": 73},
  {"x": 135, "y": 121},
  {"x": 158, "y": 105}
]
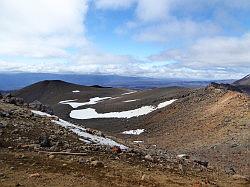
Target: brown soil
[{"x": 209, "y": 124}]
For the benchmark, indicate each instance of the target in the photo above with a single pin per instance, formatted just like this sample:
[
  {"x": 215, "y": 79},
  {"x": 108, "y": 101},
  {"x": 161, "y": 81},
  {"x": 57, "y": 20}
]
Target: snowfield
[
  {"x": 91, "y": 113},
  {"x": 134, "y": 132},
  {"x": 81, "y": 132},
  {"x": 92, "y": 101}
]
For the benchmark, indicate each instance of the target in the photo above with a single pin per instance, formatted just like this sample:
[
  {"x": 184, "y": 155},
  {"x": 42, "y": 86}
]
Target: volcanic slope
[
  {"x": 244, "y": 81},
  {"x": 36, "y": 151},
  {"x": 210, "y": 123},
  {"x": 52, "y": 91},
  {"x": 244, "y": 84},
  {"x": 55, "y": 93}
]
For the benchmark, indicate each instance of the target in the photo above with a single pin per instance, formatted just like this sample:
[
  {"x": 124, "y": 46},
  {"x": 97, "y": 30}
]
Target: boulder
[
  {"x": 225, "y": 87},
  {"x": 97, "y": 163},
  {"x": 183, "y": 156},
  {"x": 16, "y": 101},
  {"x": 8, "y": 98},
  {"x": 116, "y": 149},
  {"x": 149, "y": 158},
  {"x": 230, "y": 170},
  {"x": 34, "y": 175},
  {"x": 203, "y": 163},
  {"x": 37, "y": 105},
  {"x": 240, "y": 178},
  {"x": 8, "y": 95},
  {"x": 5, "y": 113},
  {"x": 145, "y": 177},
  {"x": 45, "y": 141},
  {"x": 3, "y": 125}
]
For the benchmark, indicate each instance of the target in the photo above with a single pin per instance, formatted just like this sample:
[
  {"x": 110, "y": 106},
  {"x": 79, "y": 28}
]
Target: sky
[{"x": 189, "y": 39}]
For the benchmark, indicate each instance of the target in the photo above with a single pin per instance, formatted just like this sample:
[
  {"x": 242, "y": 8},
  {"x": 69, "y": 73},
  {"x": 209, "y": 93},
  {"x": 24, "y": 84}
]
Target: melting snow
[
  {"x": 166, "y": 103},
  {"x": 81, "y": 132},
  {"x": 138, "y": 141},
  {"x": 134, "y": 132},
  {"x": 63, "y": 102},
  {"x": 91, "y": 113},
  {"x": 86, "y": 136},
  {"x": 128, "y": 93},
  {"x": 40, "y": 113},
  {"x": 92, "y": 101},
  {"x": 129, "y": 101},
  {"x": 76, "y": 91},
  {"x": 115, "y": 98}
]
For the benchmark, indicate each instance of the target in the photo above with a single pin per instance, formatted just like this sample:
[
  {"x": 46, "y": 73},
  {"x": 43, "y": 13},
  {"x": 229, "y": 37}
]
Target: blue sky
[{"x": 164, "y": 38}]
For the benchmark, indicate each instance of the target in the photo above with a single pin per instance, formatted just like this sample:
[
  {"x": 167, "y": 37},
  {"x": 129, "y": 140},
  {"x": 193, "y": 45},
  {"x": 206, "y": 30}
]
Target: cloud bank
[{"x": 208, "y": 40}]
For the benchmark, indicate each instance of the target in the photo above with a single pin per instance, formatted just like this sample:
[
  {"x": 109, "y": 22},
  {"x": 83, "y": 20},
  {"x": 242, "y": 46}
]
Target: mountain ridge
[{"x": 20, "y": 80}]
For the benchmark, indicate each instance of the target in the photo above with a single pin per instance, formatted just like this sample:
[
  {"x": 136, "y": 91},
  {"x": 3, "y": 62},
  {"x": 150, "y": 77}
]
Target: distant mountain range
[{"x": 19, "y": 80}]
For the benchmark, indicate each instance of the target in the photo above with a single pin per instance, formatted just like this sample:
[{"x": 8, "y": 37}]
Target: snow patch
[
  {"x": 86, "y": 136},
  {"x": 76, "y": 91},
  {"x": 134, "y": 132},
  {"x": 166, "y": 103},
  {"x": 113, "y": 98},
  {"x": 81, "y": 132},
  {"x": 138, "y": 141},
  {"x": 40, "y": 113},
  {"x": 128, "y": 93},
  {"x": 92, "y": 101},
  {"x": 91, "y": 113},
  {"x": 129, "y": 101},
  {"x": 66, "y": 101}
]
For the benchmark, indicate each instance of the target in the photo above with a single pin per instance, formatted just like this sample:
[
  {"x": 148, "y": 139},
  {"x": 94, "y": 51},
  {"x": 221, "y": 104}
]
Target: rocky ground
[
  {"x": 36, "y": 152},
  {"x": 210, "y": 124}
]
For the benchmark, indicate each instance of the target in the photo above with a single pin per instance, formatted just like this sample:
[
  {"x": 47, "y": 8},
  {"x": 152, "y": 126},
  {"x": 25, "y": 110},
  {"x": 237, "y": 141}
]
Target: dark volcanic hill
[
  {"x": 52, "y": 91},
  {"x": 243, "y": 84},
  {"x": 245, "y": 81}
]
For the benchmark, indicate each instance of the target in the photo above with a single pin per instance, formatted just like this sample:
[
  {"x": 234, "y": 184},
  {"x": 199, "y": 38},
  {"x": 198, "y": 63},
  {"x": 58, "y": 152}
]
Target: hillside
[
  {"x": 38, "y": 150},
  {"x": 208, "y": 126},
  {"x": 211, "y": 123},
  {"x": 243, "y": 84},
  {"x": 53, "y": 91}
]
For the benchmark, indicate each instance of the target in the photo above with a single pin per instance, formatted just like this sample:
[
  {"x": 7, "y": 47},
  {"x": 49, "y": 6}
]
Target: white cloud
[
  {"x": 175, "y": 30},
  {"x": 51, "y": 36},
  {"x": 41, "y": 28},
  {"x": 167, "y": 20},
  {"x": 213, "y": 52},
  {"x": 148, "y": 10}
]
